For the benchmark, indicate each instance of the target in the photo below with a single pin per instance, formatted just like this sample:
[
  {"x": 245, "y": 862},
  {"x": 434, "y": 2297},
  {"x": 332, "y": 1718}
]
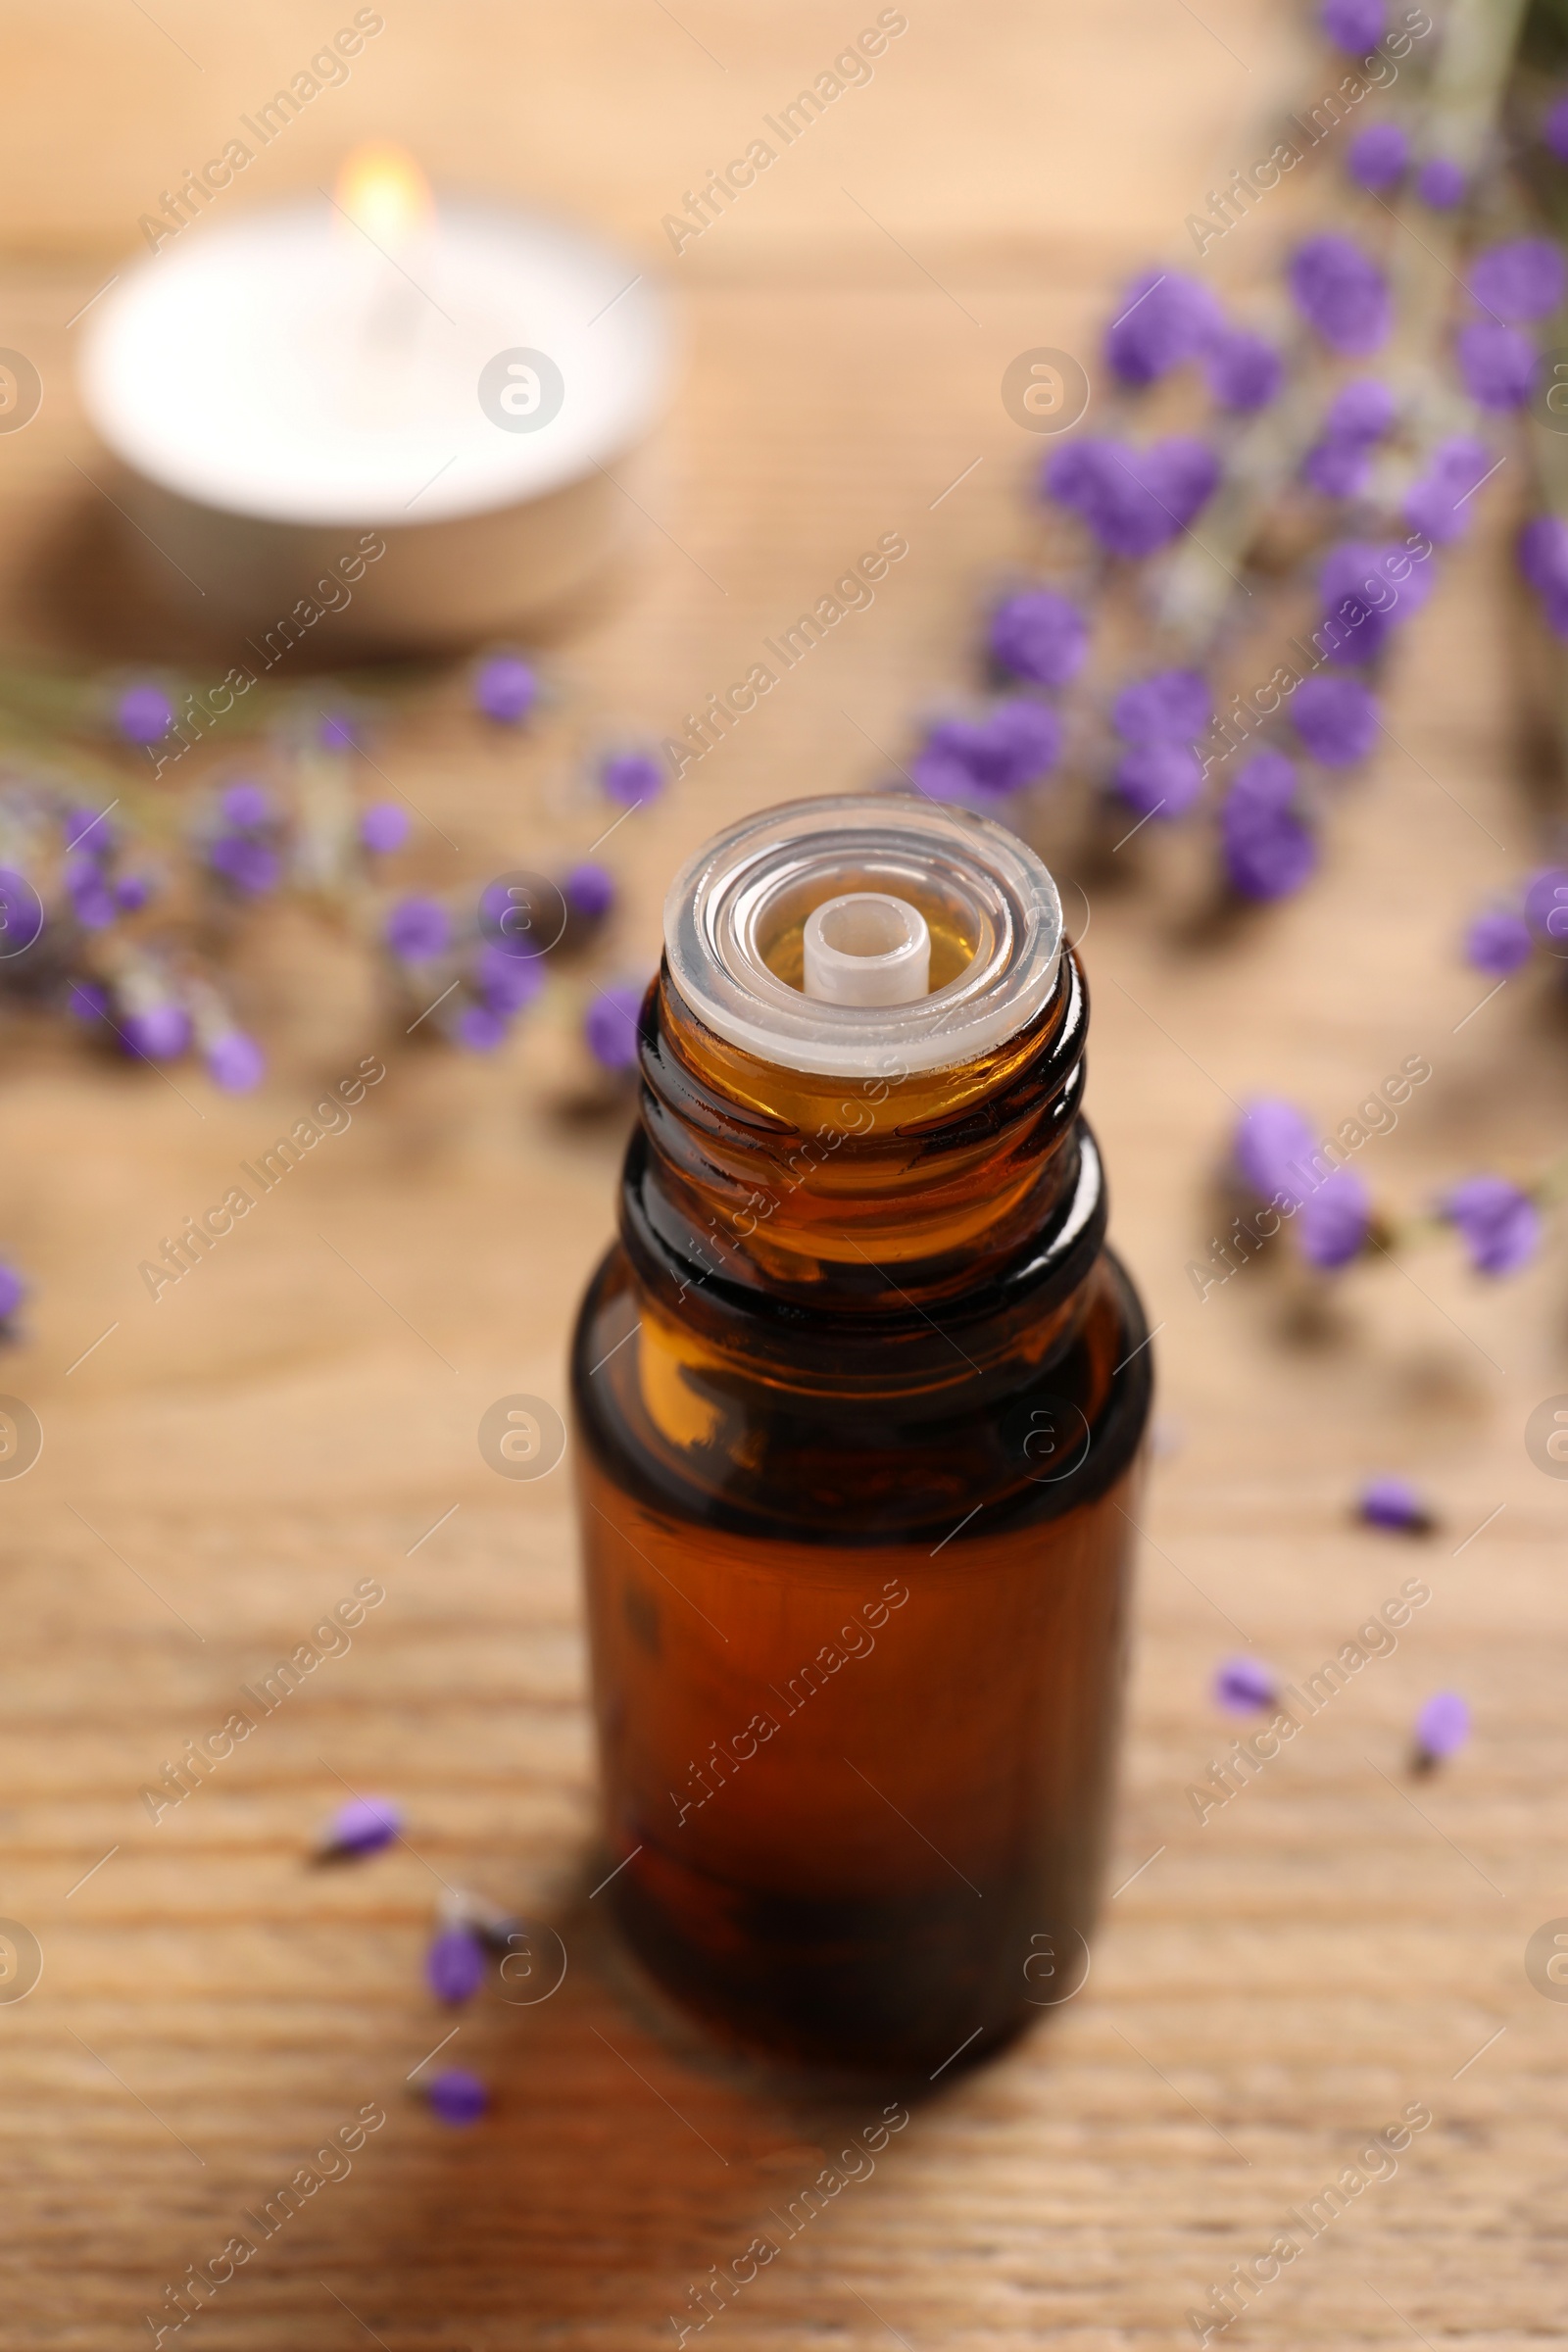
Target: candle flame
[{"x": 384, "y": 193}]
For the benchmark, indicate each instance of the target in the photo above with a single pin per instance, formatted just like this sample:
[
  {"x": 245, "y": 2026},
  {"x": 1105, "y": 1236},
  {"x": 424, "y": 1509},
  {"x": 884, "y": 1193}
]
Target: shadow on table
[{"x": 625, "y": 2166}]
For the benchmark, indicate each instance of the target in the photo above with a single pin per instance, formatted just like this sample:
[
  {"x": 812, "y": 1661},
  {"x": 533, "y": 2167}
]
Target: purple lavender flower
[
  {"x": 362, "y": 1826},
  {"x": 1270, "y": 1148},
  {"x": 418, "y": 929},
  {"x": 954, "y": 748},
  {"x": 1133, "y": 500},
  {"x": 1072, "y": 474},
  {"x": 480, "y": 1028},
  {"x": 1245, "y": 1685},
  {"x": 1441, "y": 1728},
  {"x": 1499, "y": 1224},
  {"x": 1441, "y": 183},
  {"x": 1555, "y": 131},
  {"x": 1543, "y": 554},
  {"x": 20, "y": 913},
  {"x": 1543, "y": 560},
  {"x": 1164, "y": 319},
  {"x": 239, "y": 854},
  {"x": 1158, "y": 717},
  {"x": 251, "y": 866},
  {"x": 13, "y": 1291},
  {"x": 1547, "y": 908},
  {"x": 1498, "y": 364},
  {"x": 453, "y": 1965},
  {"x": 610, "y": 1028},
  {"x": 1336, "y": 719},
  {"x": 456, "y": 2096},
  {"x": 1181, "y": 474},
  {"x": 1367, "y": 592},
  {"x": 1439, "y": 503},
  {"x": 1172, "y": 705},
  {"x": 247, "y": 805},
  {"x": 1342, "y": 292},
  {"x": 1357, "y": 419},
  {"x": 1362, "y": 410},
  {"x": 236, "y": 1062},
  {"x": 384, "y": 827},
  {"x": 505, "y": 689},
  {"x": 144, "y": 714},
  {"x": 1039, "y": 636},
  {"x": 590, "y": 892},
  {"x": 133, "y": 892},
  {"x": 91, "y": 898},
  {"x": 940, "y": 768},
  {"x": 1334, "y": 1221},
  {"x": 506, "y": 982},
  {"x": 1268, "y": 851},
  {"x": 1159, "y": 779},
  {"x": 86, "y": 1000},
  {"x": 1265, "y": 782},
  {"x": 1379, "y": 156},
  {"x": 500, "y": 913},
  {"x": 1338, "y": 469},
  {"x": 335, "y": 733},
  {"x": 1016, "y": 742},
  {"x": 1355, "y": 25},
  {"x": 158, "y": 1033},
  {"x": 1266, "y": 858},
  {"x": 1393, "y": 1504},
  {"x": 1523, "y": 279},
  {"x": 1245, "y": 370},
  {"x": 631, "y": 777},
  {"x": 1498, "y": 942}
]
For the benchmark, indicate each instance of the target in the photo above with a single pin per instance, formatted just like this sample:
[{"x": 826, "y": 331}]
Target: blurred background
[{"x": 224, "y": 1463}]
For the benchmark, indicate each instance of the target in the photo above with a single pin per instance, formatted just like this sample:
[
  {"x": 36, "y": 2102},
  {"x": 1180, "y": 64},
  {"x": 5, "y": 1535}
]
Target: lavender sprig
[{"x": 1294, "y": 1177}]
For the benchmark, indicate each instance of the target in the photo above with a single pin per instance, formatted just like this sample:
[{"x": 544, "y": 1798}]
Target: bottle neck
[{"x": 900, "y": 1208}]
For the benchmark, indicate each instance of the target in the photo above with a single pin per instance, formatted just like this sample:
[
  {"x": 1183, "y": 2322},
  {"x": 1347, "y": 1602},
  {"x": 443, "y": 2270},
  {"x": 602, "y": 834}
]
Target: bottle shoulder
[{"x": 725, "y": 1438}]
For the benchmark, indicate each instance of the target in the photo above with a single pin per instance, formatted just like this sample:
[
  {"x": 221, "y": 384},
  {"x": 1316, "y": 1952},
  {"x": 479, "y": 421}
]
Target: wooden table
[{"x": 1337, "y": 1944}]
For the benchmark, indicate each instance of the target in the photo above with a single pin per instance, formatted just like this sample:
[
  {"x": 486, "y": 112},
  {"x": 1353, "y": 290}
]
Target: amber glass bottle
[{"x": 859, "y": 1395}]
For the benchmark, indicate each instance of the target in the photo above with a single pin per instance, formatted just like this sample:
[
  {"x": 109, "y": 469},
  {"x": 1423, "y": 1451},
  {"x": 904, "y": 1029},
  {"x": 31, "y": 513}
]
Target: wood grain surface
[{"x": 1338, "y": 1941}]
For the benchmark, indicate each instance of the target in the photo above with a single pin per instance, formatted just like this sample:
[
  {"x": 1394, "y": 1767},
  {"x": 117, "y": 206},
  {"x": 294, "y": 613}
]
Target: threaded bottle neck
[{"x": 909, "y": 1237}]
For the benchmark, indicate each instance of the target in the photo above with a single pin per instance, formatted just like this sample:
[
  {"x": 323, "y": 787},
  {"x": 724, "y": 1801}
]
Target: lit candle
[{"x": 292, "y": 387}]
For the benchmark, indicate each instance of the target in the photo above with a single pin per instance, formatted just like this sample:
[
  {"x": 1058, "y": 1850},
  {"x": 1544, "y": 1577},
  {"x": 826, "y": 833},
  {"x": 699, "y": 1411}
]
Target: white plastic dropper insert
[
  {"x": 736, "y": 907},
  {"x": 866, "y": 946}
]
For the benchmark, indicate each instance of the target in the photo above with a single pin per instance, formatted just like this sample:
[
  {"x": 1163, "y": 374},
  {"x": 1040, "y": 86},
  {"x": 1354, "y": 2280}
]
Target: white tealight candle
[{"x": 291, "y": 386}]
